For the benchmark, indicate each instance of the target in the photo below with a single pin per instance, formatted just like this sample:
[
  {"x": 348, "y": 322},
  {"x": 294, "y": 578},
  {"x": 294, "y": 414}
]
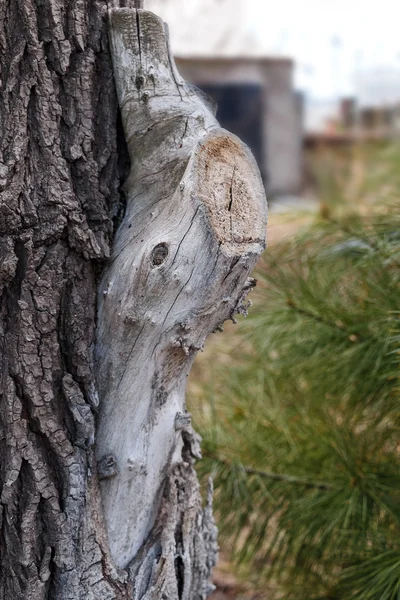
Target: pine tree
[{"x": 300, "y": 420}]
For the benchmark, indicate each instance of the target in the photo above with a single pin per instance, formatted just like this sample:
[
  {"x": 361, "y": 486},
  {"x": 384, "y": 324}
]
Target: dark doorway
[{"x": 240, "y": 110}]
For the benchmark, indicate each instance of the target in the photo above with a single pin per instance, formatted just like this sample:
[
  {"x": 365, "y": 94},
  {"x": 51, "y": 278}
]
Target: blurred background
[
  {"x": 288, "y": 74},
  {"x": 298, "y": 405}
]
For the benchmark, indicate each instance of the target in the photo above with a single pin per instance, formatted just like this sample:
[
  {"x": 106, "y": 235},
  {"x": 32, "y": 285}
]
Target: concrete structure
[{"x": 255, "y": 93}]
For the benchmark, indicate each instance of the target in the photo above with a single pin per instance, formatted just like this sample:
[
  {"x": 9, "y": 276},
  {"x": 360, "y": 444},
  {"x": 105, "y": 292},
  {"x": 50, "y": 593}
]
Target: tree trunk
[
  {"x": 59, "y": 180},
  {"x": 194, "y": 223}
]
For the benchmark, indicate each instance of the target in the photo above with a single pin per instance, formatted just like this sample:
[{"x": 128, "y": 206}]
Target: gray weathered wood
[{"x": 193, "y": 229}]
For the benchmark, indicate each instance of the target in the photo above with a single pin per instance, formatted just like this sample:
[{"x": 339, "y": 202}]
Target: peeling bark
[{"x": 62, "y": 158}]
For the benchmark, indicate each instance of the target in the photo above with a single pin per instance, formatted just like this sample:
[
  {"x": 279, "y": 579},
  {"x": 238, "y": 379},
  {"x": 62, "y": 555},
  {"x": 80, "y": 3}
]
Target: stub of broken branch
[{"x": 193, "y": 229}]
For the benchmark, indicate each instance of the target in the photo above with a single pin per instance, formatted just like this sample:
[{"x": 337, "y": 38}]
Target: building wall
[{"x": 283, "y": 130}]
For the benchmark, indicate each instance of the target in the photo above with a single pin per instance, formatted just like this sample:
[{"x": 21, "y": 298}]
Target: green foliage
[{"x": 301, "y": 423}]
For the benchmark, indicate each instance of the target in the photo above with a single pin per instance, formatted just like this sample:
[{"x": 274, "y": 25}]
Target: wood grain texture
[{"x": 193, "y": 229}]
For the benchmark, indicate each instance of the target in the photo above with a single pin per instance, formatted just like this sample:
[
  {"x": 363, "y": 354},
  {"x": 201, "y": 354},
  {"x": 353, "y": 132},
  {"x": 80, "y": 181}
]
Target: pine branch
[
  {"x": 357, "y": 234},
  {"x": 319, "y": 485},
  {"x": 307, "y": 313}
]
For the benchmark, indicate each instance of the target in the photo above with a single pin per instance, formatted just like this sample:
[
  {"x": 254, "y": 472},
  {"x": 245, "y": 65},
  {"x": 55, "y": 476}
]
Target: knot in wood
[
  {"x": 107, "y": 467},
  {"x": 182, "y": 420},
  {"x": 159, "y": 255},
  {"x": 139, "y": 82}
]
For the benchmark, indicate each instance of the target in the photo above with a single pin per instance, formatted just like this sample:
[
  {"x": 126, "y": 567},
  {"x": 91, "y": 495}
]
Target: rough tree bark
[{"x": 194, "y": 224}]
